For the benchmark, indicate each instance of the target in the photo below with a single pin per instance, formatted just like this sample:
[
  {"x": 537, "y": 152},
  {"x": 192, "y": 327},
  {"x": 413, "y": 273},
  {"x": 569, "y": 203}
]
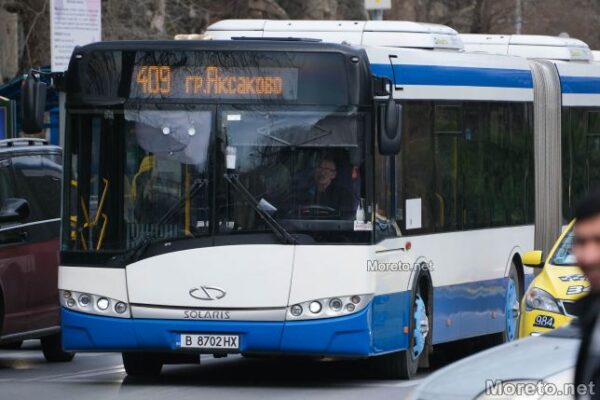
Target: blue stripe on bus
[
  {"x": 376, "y": 329},
  {"x": 468, "y": 309},
  {"x": 460, "y": 311},
  {"x": 580, "y": 84},
  {"x": 390, "y": 316},
  {"x": 343, "y": 336},
  {"x": 434, "y": 75}
]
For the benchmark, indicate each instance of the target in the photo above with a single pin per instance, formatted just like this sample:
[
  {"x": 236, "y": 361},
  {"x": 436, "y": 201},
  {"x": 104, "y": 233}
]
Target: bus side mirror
[
  {"x": 390, "y": 128},
  {"x": 33, "y": 104},
  {"x": 534, "y": 259}
]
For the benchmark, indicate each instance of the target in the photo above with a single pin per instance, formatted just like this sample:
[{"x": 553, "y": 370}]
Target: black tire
[
  {"x": 402, "y": 364},
  {"x": 142, "y": 365},
  {"x": 53, "y": 351},
  {"x": 11, "y": 346}
]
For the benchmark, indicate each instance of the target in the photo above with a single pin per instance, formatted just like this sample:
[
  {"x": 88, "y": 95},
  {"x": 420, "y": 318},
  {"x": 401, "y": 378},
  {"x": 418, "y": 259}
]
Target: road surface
[{"x": 24, "y": 374}]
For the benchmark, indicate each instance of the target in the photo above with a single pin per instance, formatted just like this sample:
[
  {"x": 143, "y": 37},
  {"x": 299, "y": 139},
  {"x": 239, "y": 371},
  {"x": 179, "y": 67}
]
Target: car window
[
  {"x": 564, "y": 253},
  {"x": 50, "y": 185},
  {"x": 37, "y": 180},
  {"x": 7, "y": 188}
]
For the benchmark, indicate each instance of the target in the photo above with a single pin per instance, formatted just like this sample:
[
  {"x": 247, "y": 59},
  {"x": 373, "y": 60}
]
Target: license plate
[
  {"x": 208, "y": 341},
  {"x": 544, "y": 321}
]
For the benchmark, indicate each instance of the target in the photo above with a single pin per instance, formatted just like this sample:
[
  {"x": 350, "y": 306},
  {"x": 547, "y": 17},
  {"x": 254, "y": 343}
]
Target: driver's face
[{"x": 325, "y": 173}]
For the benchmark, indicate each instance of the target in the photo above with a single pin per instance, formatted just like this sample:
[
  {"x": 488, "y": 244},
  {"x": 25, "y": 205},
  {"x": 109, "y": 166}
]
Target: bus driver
[{"x": 325, "y": 192}]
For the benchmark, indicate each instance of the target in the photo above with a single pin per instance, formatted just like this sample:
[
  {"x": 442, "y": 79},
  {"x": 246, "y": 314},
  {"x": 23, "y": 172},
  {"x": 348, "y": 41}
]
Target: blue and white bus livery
[{"x": 227, "y": 196}]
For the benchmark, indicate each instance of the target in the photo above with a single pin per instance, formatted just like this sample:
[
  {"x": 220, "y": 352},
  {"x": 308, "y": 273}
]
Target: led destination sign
[{"x": 212, "y": 82}]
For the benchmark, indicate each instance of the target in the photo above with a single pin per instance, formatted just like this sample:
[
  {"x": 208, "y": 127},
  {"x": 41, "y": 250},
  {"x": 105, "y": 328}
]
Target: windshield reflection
[
  {"x": 301, "y": 165},
  {"x": 156, "y": 174}
]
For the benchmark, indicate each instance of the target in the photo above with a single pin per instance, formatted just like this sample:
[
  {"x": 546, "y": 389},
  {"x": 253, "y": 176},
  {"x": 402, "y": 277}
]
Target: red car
[{"x": 30, "y": 192}]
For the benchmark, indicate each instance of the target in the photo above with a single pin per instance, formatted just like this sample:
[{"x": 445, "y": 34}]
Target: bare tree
[{"x": 151, "y": 19}]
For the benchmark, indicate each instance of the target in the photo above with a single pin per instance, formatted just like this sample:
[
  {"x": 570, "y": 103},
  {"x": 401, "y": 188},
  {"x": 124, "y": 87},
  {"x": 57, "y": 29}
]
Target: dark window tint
[
  {"x": 50, "y": 185},
  {"x": 465, "y": 165},
  {"x": 37, "y": 179},
  {"x": 7, "y": 186},
  {"x": 385, "y": 197},
  {"x": 580, "y": 155}
]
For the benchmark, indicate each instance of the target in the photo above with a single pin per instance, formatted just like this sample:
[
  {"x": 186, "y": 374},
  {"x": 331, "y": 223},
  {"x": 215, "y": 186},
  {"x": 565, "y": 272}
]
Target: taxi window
[{"x": 564, "y": 254}]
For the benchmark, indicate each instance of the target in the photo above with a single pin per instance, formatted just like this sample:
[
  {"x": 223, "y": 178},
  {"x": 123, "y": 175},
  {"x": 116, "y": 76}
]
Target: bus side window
[
  {"x": 580, "y": 155},
  {"x": 415, "y": 171},
  {"x": 385, "y": 197}
]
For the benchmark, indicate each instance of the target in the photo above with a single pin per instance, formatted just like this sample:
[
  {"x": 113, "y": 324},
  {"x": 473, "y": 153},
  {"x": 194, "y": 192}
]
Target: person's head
[
  {"x": 325, "y": 173},
  {"x": 586, "y": 243}
]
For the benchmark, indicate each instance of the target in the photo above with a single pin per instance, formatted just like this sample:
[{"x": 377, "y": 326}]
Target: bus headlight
[
  {"x": 336, "y": 304},
  {"x": 328, "y": 307},
  {"x": 120, "y": 307},
  {"x": 94, "y": 304},
  {"x": 84, "y": 300},
  {"x": 103, "y": 303},
  {"x": 315, "y": 307},
  {"x": 296, "y": 310},
  {"x": 538, "y": 299}
]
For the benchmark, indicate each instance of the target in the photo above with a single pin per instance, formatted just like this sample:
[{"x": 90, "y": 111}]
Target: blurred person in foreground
[{"x": 586, "y": 247}]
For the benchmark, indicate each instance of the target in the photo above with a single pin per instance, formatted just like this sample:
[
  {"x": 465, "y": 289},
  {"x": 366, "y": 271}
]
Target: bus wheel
[
  {"x": 513, "y": 291},
  {"x": 53, "y": 351},
  {"x": 404, "y": 364},
  {"x": 142, "y": 365}
]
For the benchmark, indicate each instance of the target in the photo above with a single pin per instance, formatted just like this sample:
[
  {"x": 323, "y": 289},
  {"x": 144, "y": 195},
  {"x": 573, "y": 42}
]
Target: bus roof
[
  {"x": 230, "y": 45},
  {"x": 579, "y": 73},
  {"x": 374, "y": 33},
  {"x": 529, "y": 46}
]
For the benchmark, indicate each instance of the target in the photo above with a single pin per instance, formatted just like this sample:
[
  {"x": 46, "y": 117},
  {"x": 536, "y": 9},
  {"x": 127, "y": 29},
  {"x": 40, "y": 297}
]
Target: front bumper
[
  {"x": 530, "y": 325},
  {"x": 348, "y": 336}
]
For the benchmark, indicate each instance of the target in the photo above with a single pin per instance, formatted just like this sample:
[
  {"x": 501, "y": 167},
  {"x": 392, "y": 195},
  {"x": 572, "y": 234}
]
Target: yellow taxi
[{"x": 550, "y": 299}]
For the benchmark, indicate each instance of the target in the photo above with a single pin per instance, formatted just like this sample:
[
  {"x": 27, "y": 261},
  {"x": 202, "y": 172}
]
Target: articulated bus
[
  {"x": 573, "y": 103},
  {"x": 269, "y": 192}
]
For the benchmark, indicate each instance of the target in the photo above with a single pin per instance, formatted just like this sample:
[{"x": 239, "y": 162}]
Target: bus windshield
[
  {"x": 302, "y": 166},
  {"x": 161, "y": 172},
  {"x": 151, "y": 133},
  {"x": 137, "y": 173}
]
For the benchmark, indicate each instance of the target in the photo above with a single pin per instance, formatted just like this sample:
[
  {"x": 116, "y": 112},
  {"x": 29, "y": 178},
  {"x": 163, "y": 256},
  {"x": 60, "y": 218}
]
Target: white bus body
[{"x": 452, "y": 273}]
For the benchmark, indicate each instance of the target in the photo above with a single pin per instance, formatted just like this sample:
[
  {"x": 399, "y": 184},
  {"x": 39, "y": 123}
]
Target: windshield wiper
[
  {"x": 282, "y": 234},
  {"x": 136, "y": 252},
  {"x": 266, "y": 132}
]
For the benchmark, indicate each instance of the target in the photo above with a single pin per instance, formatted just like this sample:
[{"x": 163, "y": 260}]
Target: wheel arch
[
  {"x": 516, "y": 260},
  {"x": 424, "y": 282},
  {"x": 518, "y": 263}
]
